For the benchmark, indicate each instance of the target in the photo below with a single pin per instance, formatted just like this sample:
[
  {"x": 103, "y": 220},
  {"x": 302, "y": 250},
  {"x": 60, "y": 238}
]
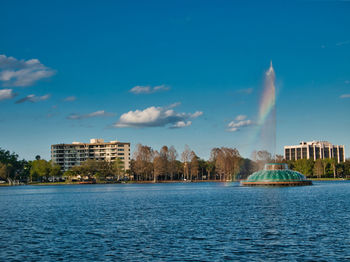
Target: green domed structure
[{"x": 276, "y": 174}]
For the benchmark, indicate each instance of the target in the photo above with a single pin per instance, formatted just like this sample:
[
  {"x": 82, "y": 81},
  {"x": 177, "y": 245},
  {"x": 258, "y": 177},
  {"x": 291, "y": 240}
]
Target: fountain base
[{"x": 276, "y": 174}]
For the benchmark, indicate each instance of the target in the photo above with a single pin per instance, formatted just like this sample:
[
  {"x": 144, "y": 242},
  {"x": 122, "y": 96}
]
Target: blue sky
[{"x": 190, "y": 68}]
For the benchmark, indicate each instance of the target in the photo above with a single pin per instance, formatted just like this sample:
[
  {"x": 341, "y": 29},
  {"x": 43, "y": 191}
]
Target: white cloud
[
  {"x": 196, "y": 114},
  {"x": 14, "y": 72},
  {"x": 6, "y": 94},
  {"x": 33, "y": 98},
  {"x": 181, "y": 124},
  {"x": 232, "y": 129},
  {"x": 140, "y": 90},
  {"x": 70, "y": 99},
  {"x": 99, "y": 113},
  {"x": 345, "y": 96},
  {"x": 156, "y": 117},
  {"x": 161, "y": 88},
  {"x": 238, "y": 123},
  {"x": 174, "y": 105},
  {"x": 148, "y": 89},
  {"x": 240, "y": 117}
]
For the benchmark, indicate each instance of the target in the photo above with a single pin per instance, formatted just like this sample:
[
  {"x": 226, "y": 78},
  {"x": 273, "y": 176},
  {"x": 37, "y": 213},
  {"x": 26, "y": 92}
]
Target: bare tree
[
  {"x": 194, "y": 165},
  {"x": 227, "y": 162},
  {"x": 186, "y": 159},
  {"x": 217, "y": 159},
  {"x": 157, "y": 166},
  {"x": 172, "y": 162},
  {"x": 262, "y": 157},
  {"x": 164, "y": 155},
  {"x": 143, "y": 166},
  {"x": 280, "y": 158},
  {"x": 161, "y": 163}
]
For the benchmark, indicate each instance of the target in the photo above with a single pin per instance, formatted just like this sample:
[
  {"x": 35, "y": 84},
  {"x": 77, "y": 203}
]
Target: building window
[
  {"x": 292, "y": 153},
  {"x": 298, "y": 153}
]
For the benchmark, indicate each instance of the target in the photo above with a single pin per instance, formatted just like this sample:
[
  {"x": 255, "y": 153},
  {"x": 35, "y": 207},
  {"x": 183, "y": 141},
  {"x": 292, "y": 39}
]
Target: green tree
[
  {"x": 12, "y": 169},
  {"x": 202, "y": 169},
  {"x": 333, "y": 163},
  {"x": 291, "y": 164},
  {"x": 179, "y": 168},
  {"x": 6, "y": 172},
  {"x": 24, "y": 173},
  {"x": 319, "y": 168},
  {"x": 210, "y": 168},
  {"x": 328, "y": 167},
  {"x": 69, "y": 174},
  {"x": 247, "y": 168},
  {"x": 40, "y": 170},
  {"x": 346, "y": 168},
  {"x": 98, "y": 169},
  {"x": 55, "y": 171},
  {"x": 304, "y": 166},
  {"x": 105, "y": 169},
  {"x": 340, "y": 170},
  {"x": 118, "y": 168}
]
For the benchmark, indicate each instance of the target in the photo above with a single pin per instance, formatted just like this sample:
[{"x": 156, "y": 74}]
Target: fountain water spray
[
  {"x": 267, "y": 113},
  {"x": 268, "y": 100},
  {"x": 273, "y": 174}
]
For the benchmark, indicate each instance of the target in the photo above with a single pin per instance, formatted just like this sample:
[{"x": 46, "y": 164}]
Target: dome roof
[{"x": 276, "y": 176}]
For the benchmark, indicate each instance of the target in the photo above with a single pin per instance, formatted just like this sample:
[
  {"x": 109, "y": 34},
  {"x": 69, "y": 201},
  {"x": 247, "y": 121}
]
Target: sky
[{"x": 171, "y": 73}]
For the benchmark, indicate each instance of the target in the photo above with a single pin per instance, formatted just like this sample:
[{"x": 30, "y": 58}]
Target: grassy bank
[{"x": 329, "y": 179}]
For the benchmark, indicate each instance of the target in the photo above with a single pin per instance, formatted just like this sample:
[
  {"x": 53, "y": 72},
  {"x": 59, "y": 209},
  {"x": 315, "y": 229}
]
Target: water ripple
[{"x": 175, "y": 222}]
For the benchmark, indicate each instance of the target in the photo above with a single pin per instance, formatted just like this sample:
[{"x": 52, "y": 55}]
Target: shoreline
[
  {"x": 118, "y": 183},
  {"x": 151, "y": 182}
]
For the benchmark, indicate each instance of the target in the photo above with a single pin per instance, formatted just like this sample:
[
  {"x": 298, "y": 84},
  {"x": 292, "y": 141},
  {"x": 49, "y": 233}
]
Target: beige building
[
  {"x": 315, "y": 150},
  {"x": 69, "y": 155}
]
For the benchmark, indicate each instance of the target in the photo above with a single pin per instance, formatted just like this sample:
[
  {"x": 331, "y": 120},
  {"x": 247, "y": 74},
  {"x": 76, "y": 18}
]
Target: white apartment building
[
  {"x": 315, "y": 150},
  {"x": 69, "y": 155}
]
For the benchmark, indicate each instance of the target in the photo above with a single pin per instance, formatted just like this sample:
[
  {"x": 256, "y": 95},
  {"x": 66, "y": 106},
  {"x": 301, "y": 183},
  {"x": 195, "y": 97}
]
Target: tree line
[
  {"x": 166, "y": 164},
  {"x": 321, "y": 168},
  {"x": 147, "y": 164},
  {"x": 14, "y": 170}
]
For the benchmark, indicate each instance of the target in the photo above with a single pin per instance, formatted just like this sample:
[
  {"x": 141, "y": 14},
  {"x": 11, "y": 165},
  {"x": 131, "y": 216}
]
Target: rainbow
[
  {"x": 265, "y": 132},
  {"x": 268, "y": 99}
]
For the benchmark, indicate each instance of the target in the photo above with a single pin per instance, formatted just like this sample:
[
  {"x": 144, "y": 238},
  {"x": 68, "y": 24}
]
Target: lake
[{"x": 175, "y": 222}]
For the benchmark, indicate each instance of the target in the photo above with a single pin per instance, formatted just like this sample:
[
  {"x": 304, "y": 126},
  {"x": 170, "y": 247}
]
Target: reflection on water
[{"x": 192, "y": 221}]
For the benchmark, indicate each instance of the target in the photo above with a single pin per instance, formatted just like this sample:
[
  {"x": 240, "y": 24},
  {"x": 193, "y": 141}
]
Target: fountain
[
  {"x": 276, "y": 174},
  {"x": 273, "y": 174}
]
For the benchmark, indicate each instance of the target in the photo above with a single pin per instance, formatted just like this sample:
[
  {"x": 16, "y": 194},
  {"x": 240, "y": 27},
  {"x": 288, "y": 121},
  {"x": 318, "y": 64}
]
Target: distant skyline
[{"x": 171, "y": 73}]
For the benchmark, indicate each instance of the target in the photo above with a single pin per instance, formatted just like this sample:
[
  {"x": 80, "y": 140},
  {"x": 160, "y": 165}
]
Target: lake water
[{"x": 175, "y": 222}]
